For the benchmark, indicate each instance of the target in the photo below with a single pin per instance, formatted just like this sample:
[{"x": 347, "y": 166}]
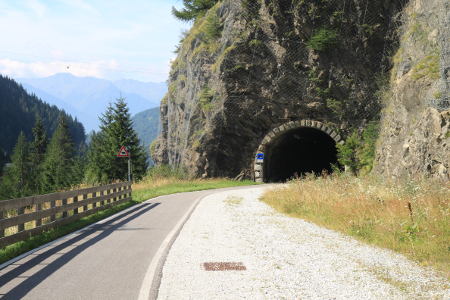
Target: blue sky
[{"x": 110, "y": 39}]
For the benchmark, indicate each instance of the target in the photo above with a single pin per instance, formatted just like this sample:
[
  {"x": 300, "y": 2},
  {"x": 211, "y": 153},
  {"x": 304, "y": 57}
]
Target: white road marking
[{"x": 149, "y": 277}]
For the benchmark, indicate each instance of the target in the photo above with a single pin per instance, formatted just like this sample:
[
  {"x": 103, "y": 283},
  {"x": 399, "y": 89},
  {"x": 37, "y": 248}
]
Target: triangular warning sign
[{"x": 123, "y": 152}]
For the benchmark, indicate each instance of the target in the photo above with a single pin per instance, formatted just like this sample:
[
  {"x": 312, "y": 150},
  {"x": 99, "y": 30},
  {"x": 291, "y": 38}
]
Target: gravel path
[{"x": 286, "y": 258}]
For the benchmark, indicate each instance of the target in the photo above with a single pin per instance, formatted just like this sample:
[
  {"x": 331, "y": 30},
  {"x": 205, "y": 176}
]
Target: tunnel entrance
[{"x": 297, "y": 152}]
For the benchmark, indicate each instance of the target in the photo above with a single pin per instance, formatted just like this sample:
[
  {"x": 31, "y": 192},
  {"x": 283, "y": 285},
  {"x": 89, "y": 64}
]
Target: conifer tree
[
  {"x": 2, "y": 160},
  {"x": 16, "y": 181},
  {"x": 37, "y": 155},
  {"x": 58, "y": 172},
  {"x": 193, "y": 9},
  {"x": 116, "y": 131}
]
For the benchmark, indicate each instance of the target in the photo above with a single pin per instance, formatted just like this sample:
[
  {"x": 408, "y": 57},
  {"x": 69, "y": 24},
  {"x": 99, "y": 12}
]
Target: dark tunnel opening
[{"x": 297, "y": 152}]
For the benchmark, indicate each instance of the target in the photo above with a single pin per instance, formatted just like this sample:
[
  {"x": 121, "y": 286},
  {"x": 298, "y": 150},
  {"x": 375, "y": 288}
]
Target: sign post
[{"x": 123, "y": 152}]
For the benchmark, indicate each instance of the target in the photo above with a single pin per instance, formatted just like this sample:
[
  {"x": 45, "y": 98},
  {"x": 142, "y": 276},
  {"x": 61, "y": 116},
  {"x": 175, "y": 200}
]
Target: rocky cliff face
[
  {"x": 415, "y": 132},
  {"x": 250, "y": 66}
]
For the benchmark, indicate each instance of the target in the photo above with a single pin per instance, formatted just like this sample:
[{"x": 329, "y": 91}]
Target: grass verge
[
  {"x": 411, "y": 217},
  {"x": 148, "y": 188}
]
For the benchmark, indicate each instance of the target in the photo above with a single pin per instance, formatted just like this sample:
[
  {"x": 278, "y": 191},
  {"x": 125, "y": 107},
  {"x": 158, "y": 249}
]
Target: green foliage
[
  {"x": 323, "y": 40},
  {"x": 255, "y": 43},
  {"x": 166, "y": 171},
  {"x": 358, "y": 151},
  {"x": 205, "y": 98},
  {"x": 193, "y": 9},
  {"x": 2, "y": 160},
  {"x": 103, "y": 165},
  {"x": 213, "y": 27},
  {"x": 335, "y": 106},
  {"x": 37, "y": 155},
  {"x": 347, "y": 152},
  {"x": 58, "y": 166},
  {"x": 15, "y": 183},
  {"x": 366, "y": 154},
  {"x": 19, "y": 111},
  {"x": 428, "y": 67}
]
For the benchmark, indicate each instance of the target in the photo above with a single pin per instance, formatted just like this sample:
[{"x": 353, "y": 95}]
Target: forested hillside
[
  {"x": 18, "y": 112},
  {"x": 146, "y": 125}
]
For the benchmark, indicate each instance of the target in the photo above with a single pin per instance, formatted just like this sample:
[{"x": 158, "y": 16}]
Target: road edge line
[{"x": 152, "y": 278}]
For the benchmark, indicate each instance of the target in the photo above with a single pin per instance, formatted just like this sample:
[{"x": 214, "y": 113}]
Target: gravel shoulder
[{"x": 285, "y": 258}]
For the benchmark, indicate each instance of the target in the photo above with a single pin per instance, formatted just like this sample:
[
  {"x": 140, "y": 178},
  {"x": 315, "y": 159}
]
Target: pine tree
[
  {"x": 58, "y": 166},
  {"x": 37, "y": 155},
  {"x": 16, "y": 181},
  {"x": 123, "y": 134},
  {"x": 2, "y": 160},
  {"x": 116, "y": 131},
  {"x": 193, "y": 9}
]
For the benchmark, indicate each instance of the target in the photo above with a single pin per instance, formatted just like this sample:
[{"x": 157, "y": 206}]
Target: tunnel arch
[{"x": 277, "y": 140}]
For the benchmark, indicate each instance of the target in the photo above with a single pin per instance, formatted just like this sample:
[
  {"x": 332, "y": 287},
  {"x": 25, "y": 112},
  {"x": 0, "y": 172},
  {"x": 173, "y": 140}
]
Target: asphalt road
[{"x": 108, "y": 260}]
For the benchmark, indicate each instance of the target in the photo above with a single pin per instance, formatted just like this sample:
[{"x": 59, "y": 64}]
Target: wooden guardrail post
[
  {"x": 2, "y": 231},
  {"x": 101, "y": 195},
  {"x": 52, "y": 205},
  {"x": 64, "y": 203},
  {"x": 20, "y": 226},
  {"x": 38, "y": 208},
  {"x": 85, "y": 206},
  {"x": 75, "y": 199}
]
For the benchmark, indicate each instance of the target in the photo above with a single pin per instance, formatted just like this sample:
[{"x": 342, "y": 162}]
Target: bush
[
  {"x": 358, "y": 151},
  {"x": 206, "y": 97},
  {"x": 213, "y": 27},
  {"x": 166, "y": 171},
  {"x": 323, "y": 40}
]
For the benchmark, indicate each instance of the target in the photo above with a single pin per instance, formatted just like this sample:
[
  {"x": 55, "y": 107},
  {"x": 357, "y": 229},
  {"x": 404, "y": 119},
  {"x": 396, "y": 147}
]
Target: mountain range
[{"x": 86, "y": 98}]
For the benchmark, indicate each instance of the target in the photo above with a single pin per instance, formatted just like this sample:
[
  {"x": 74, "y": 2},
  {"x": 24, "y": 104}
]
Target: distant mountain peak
[{"x": 87, "y": 97}]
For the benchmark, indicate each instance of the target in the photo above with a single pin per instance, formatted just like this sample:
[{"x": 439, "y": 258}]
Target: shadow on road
[{"x": 32, "y": 281}]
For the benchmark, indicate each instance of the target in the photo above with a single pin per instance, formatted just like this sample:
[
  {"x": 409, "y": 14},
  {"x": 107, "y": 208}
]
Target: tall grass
[{"x": 410, "y": 217}]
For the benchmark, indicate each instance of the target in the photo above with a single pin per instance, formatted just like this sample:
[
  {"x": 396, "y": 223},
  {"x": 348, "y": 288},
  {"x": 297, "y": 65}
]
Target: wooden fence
[{"x": 24, "y": 217}]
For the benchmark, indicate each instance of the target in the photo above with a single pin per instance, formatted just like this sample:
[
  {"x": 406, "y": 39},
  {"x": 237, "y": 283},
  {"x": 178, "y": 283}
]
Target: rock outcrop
[
  {"x": 415, "y": 133},
  {"x": 248, "y": 67}
]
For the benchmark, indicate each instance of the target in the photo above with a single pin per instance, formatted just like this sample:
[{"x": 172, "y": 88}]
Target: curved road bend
[{"x": 107, "y": 260}]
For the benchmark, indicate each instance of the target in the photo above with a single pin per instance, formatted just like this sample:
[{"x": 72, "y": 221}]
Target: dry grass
[{"x": 410, "y": 217}]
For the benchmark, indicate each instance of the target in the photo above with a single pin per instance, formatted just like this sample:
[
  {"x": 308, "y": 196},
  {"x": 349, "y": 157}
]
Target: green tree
[
  {"x": 37, "y": 155},
  {"x": 16, "y": 181},
  {"x": 116, "y": 131},
  {"x": 2, "y": 160},
  {"x": 366, "y": 154},
  {"x": 193, "y": 9},
  {"x": 58, "y": 166},
  {"x": 348, "y": 152}
]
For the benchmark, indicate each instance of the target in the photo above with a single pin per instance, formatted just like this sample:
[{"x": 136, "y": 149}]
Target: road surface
[{"x": 118, "y": 258}]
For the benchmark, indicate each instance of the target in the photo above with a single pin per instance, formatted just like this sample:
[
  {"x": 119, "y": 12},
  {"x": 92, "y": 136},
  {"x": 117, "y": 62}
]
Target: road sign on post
[{"x": 123, "y": 152}]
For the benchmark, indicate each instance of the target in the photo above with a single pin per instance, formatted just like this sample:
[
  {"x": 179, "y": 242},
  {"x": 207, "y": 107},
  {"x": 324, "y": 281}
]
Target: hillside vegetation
[{"x": 18, "y": 112}]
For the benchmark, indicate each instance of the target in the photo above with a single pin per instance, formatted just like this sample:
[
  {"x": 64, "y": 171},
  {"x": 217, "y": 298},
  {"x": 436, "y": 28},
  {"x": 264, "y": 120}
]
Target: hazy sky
[{"x": 110, "y": 39}]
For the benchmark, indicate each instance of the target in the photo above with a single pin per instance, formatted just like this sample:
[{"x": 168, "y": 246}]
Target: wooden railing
[{"x": 24, "y": 217}]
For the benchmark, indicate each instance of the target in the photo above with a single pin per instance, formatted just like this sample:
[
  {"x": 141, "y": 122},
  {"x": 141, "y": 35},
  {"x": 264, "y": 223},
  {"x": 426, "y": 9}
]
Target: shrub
[
  {"x": 206, "y": 97},
  {"x": 213, "y": 27},
  {"x": 323, "y": 40}
]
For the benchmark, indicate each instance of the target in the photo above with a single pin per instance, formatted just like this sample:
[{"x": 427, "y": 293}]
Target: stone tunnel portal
[{"x": 296, "y": 151}]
